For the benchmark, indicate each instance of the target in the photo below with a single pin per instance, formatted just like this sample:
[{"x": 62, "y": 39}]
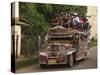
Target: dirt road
[{"x": 89, "y": 63}]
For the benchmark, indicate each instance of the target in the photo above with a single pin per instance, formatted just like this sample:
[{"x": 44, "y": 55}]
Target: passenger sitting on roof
[
  {"x": 70, "y": 20},
  {"x": 75, "y": 21},
  {"x": 81, "y": 23},
  {"x": 61, "y": 13},
  {"x": 61, "y": 21},
  {"x": 55, "y": 21},
  {"x": 85, "y": 24},
  {"x": 65, "y": 21}
]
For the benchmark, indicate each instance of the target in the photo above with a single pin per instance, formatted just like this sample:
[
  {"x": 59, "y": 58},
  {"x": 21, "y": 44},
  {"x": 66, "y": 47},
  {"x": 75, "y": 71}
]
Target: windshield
[{"x": 60, "y": 40}]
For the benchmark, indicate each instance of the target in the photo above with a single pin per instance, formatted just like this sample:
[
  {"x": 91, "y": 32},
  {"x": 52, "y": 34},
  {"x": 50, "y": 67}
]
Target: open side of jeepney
[{"x": 64, "y": 47}]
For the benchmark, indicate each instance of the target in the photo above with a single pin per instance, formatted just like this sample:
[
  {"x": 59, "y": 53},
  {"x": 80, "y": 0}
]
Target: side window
[
  {"x": 76, "y": 38},
  {"x": 76, "y": 42}
]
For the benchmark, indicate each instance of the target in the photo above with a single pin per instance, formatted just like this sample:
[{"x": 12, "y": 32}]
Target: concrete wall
[
  {"x": 92, "y": 12},
  {"x": 16, "y": 32},
  {"x": 15, "y": 9}
]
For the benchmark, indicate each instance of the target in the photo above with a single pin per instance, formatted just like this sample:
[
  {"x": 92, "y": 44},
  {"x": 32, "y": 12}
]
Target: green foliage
[
  {"x": 25, "y": 63},
  {"x": 93, "y": 43}
]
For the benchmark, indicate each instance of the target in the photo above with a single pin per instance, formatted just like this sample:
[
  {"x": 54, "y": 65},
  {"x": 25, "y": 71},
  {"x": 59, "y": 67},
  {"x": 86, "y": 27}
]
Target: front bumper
[{"x": 53, "y": 61}]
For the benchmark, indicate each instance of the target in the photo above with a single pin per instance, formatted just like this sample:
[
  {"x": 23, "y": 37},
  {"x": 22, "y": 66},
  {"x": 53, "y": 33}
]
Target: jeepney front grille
[{"x": 54, "y": 49}]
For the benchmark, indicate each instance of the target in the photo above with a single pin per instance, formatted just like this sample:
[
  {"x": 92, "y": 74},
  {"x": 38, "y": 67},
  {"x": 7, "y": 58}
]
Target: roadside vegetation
[
  {"x": 26, "y": 62},
  {"x": 93, "y": 42}
]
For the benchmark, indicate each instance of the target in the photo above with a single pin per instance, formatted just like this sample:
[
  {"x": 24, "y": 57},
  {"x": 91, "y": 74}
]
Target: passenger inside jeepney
[{"x": 76, "y": 41}]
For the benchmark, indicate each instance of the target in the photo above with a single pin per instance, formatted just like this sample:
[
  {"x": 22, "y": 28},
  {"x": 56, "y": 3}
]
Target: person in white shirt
[{"x": 75, "y": 21}]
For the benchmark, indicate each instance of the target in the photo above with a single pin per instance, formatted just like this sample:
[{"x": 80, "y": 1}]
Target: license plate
[{"x": 51, "y": 61}]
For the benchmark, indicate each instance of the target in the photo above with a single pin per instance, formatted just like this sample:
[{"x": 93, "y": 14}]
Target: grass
[
  {"x": 93, "y": 43},
  {"x": 25, "y": 63}
]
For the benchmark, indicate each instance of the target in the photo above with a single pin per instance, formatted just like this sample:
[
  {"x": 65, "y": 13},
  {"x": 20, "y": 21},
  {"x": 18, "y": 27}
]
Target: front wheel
[
  {"x": 85, "y": 55},
  {"x": 70, "y": 60}
]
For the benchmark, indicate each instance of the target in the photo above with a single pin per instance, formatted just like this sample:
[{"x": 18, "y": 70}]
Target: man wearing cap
[{"x": 75, "y": 21}]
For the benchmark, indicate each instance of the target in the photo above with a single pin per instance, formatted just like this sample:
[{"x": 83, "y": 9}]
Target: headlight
[{"x": 43, "y": 59}]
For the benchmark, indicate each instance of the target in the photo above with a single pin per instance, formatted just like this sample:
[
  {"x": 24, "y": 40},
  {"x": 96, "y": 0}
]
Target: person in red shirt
[
  {"x": 81, "y": 23},
  {"x": 55, "y": 21}
]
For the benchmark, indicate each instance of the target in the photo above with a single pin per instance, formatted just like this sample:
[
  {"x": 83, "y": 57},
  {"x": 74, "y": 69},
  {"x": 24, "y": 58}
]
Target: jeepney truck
[{"x": 64, "y": 46}]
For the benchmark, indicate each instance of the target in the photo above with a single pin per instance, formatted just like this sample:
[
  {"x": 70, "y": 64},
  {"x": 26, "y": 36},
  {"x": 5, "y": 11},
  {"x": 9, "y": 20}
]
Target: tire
[
  {"x": 43, "y": 65},
  {"x": 85, "y": 55},
  {"x": 70, "y": 60}
]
